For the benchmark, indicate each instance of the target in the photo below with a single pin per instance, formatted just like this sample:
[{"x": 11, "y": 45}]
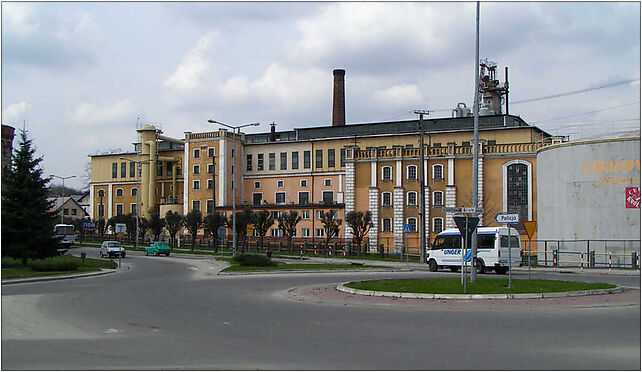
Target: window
[
  {"x": 436, "y": 144},
  {"x": 438, "y": 172},
  {"x": 517, "y": 190},
  {"x": 210, "y": 152},
  {"x": 306, "y": 159},
  {"x": 197, "y": 185},
  {"x": 132, "y": 169},
  {"x": 159, "y": 168},
  {"x": 101, "y": 193},
  {"x": 305, "y": 233},
  {"x": 123, "y": 170},
  {"x": 279, "y": 184},
  {"x": 134, "y": 191},
  {"x": 197, "y": 153},
  {"x": 233, "y": 169},
  {"x": 65, "y": 211},
  {"x": 210, "y": 184},
  {"x": 257, "y": 184},
  {"x": 249, "y": 163},
  {"x": 327, "y": 182},
  {"x": 232, "y": 184},
  {"x": 197, "y": 169},
  {"x": 196, "y": 205},
  {"x": 259, "y": 162},
  {"x": 272, "y": 160},
  {"x": 114, "y": 170},
  {"x": 334, "y": 214},
  {"x": 304, "y": 183},
  {"x": 492, "y": 142},
  {"x": 284, "y": 160},
  {"x": 304, "y": 197},
  {"x": 171, "y": 189},
  {"x": 386, "y": 225},
  {"x": 295, "y": 160},
  {"x": 343, "y": 157},
  {"x": 386, "y": 174},
  {"x": 465, "y": 144},
  {"x": 210, "y": 168},
  {"x": 209, "y": 206},
  {"x": 276, "y": 233},
  {"x": 257, "y": 198},
  {"x": 168, "y": 169},
  {"x": 101, "y": 210},
  {"x": 320, "y": 233},
  {"x": 119, "y": 193},
  {"x": 437, "y": 224},
  {"x": 305, "y": 215},
  {"x": 413, "y": 224},
  {"x": 233, "y": 153},
  {"x": 319, "y": 159},
  {"x": 412, "y": 198},
  {"x": 119, "y": 209},
  {"x": 330, "y": 157},
  {"x": 319, "y": 214},
  {"x": 328, "y": 197},
  {"x": 134, "y": 208},
  {"x": 412, "y": 172},
  {"x": 438, "y": 198},
  {"x": 386, "y": 199},
  {"x": 279, "y": 198}
]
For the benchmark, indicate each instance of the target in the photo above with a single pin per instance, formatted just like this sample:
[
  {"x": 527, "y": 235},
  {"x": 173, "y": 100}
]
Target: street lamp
[
  {"x": 63, "y": 194},
  {"x": 235, "y": 131},
  {"x": 139, "y": 163}
]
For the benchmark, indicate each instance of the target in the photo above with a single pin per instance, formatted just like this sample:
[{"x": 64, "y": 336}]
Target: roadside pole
[
  {"x": 508, "y": 219},
  {"x": 529, "y": 226},
  {"x": 510, "y": 263}
]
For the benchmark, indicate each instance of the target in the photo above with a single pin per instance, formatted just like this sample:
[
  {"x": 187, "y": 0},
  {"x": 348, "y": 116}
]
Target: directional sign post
[
  {"x": 529, "y": 226},
  {"x": 466, "y": 226},
  {"x": 508, "y": 219},
  {"x": 406, "y": 230}
]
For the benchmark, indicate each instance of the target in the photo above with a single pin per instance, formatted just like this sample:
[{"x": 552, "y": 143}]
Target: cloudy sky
[{"x": 80, "y": 76}]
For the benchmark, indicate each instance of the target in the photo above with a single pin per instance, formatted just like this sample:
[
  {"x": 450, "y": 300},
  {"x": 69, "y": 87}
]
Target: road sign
[
  {"x": 120, "y": 228},
  {"x": 221, "y": 232},
  {"x": 529, "y": 226},
  {"x": 470, "y": 210},
  {"x": 89, "y": 226},
  {"x": 507, "y": 218},
  {"x": 250, "y": 229},
  {"x": 406, "y": 228},
  {"x": 466, "y": 229}
]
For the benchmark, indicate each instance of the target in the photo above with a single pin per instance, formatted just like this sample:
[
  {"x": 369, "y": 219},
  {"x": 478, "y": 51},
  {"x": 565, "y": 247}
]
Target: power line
[
  {"x": 576, "y": 91},
  {"x": 587, "y": 112}
]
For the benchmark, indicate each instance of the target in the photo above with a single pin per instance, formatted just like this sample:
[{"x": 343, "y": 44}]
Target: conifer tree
[{"x": 27, "y": 227}]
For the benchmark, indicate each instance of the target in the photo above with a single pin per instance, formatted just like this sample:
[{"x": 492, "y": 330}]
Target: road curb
[
  {"x": 267, "y": 272},
  {"x": 61, "y": 277},
  {"x": 341, "y": 287}
]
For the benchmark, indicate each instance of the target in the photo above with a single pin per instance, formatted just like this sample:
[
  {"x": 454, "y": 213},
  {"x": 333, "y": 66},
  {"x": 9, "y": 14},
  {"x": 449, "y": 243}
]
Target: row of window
[
  {"x": 294, "y": 160},
  {"x": 411, "y": 172},
  {"x": 327, "y": 197},
  {"x": 411, "y": 199},
  {"x": 327, "y": 182},
  {"x": 210, "y": 153},
  {"x": 132, "y": 169},
  {"x": 119, "y": 209},
  {"x": 437, "y": 224}
]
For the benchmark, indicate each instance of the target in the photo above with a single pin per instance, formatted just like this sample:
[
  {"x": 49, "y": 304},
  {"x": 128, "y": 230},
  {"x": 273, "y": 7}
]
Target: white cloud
[
  {"x": 15, "y": 111},
  {"x": 187, "y": 76},
  {"x": 289, "y": 88},
  {"x": 18, "y": 17},
  {"x": 91, "y": 113},
  {"x": 399, "y": 96}
]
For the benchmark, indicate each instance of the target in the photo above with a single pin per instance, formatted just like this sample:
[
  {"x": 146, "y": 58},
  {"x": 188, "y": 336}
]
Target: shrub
[
  {"x": 254, "y": 260},
  {"x": 8, "y": 262},
  {"x": 60, "y": 263}
]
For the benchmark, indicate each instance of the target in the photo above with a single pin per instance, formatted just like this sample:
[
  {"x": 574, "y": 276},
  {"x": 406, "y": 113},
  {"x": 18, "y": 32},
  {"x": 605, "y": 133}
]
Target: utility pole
[
  {"x": 422, "y": 187},
  {"x": 473, "y": 272}
]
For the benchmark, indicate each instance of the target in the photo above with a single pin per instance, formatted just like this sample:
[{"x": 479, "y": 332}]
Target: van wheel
[
  {"x": 501, "y": 270},
  {"x": 432, "y": 265},
  {"x": 146, "y": 253},
  {"x": 101, "y": 254},
  {"x": 479, "y": 267},
  {"x": 454, "y": 268}
]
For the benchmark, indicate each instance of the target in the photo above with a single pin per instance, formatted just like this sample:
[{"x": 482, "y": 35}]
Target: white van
[{"x": 446, "y": 250}]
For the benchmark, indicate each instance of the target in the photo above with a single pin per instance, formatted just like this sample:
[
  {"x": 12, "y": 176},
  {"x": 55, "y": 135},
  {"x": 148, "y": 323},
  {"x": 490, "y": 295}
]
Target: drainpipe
[{"x": 152, "y": 177}]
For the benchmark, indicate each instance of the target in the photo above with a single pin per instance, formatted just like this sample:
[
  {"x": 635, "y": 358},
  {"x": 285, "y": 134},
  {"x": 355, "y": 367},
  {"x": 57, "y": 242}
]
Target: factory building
[{"x": 335, "y": 169}]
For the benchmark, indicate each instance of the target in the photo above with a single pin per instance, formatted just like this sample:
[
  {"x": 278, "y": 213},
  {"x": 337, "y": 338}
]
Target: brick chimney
[{"x": 338, "y": 99}]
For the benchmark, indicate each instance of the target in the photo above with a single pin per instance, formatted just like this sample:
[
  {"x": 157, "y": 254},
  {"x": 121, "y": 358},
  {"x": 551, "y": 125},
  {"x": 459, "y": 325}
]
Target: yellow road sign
[
  {"x": 250, "y": 229},
  {"x": 530, "y": 228}
]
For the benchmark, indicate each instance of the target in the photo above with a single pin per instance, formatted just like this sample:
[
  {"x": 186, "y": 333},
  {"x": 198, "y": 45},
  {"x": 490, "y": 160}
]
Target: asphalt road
[{"x": 166, "y": 313}]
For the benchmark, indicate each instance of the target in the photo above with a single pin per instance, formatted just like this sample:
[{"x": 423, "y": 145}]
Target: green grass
[
  {"x": 284, "y": 267},
  {"x": 482, "y": 286},
  {"x": 12, "y": 268}
]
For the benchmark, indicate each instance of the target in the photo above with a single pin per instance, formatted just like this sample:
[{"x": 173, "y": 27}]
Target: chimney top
[
  {"x": 338, "y": 99},
  {"x": 339, "y": 71}
]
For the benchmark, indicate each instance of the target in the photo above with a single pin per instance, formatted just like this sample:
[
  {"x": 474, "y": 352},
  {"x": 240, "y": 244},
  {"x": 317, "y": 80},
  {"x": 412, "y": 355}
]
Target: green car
[{"x": 157, "y": 248}]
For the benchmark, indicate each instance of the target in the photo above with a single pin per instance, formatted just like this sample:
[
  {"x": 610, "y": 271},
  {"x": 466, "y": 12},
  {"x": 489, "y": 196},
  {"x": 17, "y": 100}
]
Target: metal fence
[{"x": 624, "y": 254}]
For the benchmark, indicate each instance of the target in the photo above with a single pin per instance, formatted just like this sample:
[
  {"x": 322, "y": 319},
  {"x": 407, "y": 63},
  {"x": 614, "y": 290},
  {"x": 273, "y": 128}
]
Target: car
[
  {"x": 157, "y": 248},
  {"x": 112, "y": 248}
]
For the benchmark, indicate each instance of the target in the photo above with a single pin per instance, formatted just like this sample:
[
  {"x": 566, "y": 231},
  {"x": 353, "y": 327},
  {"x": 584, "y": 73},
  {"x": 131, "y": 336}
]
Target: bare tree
[
  {"x": 330, "y": 226},
  {"x": 193, "y": 221},
  {"x": 262, "y": 221},
  {"x": 213, "y": 221},
  {"x": 174, "y": 222},
  {"x": 288, "y": 224},
  {"x": 360, "y": 224}
]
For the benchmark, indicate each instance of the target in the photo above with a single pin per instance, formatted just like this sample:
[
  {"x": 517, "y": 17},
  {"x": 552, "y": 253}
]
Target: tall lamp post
[
  {"x": 63, "y": 194},
  {"x": 422, "y": 186},
  {"x": 235, "y": 131},
  {"x": 473, "y": 272},
  {"x": 138, "y": 163}
]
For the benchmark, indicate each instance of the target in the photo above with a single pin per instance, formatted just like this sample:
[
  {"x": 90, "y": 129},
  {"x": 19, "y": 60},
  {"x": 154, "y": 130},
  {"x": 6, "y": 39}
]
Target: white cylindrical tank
[{"x": 586, "y": 190}]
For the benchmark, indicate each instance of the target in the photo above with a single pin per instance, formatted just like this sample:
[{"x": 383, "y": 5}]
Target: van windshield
[
  {"x": 514, "y": 241},
  {"x": 484, "y": 241}
]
